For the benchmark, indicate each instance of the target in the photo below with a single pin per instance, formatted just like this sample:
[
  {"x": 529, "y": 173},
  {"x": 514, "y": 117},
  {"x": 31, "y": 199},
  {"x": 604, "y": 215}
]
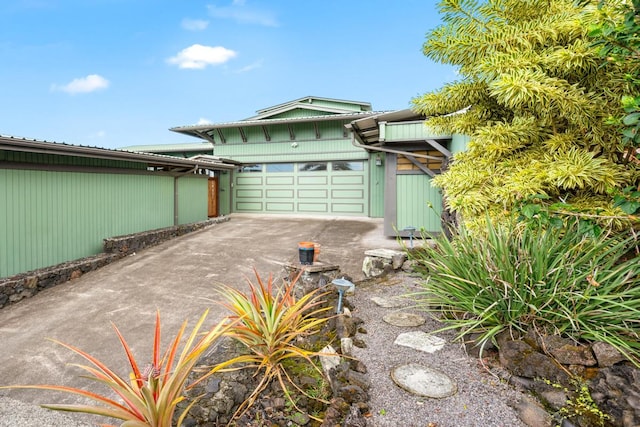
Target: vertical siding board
[
  {"x": 191, "y": 191},
  {"x": 376, "y": 187},
  {"x": 3, "y": 219},
  {"x": 414, "y": 211},
  {"x": 51, "y": 217}
]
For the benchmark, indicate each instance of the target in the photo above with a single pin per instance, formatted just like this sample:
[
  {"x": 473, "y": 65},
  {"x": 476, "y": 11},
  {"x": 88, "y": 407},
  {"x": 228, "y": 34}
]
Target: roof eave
[
  {"x": 10, "y": 143},
  {"x": 193, "y": 129}
]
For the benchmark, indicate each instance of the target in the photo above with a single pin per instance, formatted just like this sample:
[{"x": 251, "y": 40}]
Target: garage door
[{"x": 338, "y": 187}]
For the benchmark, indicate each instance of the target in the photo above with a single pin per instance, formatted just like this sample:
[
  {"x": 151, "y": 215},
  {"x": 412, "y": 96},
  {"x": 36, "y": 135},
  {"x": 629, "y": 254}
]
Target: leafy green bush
[{"x": 552, "y": 281}]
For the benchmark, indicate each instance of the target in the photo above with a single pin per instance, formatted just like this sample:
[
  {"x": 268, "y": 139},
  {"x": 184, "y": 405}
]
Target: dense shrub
[{"x": 520, "y": 279}]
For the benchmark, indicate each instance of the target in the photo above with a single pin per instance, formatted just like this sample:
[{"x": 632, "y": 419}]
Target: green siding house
[
  {"x": 412, "y": 155},
  {"x": 297, "y": 158},
  {"x": 59, "y": 201},
  {"x": 322, "y": 156}
]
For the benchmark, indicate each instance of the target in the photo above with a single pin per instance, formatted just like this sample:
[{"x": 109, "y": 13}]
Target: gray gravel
[
  {"x": 481, "y": 400},
  {"x": 14, "y": 413}
]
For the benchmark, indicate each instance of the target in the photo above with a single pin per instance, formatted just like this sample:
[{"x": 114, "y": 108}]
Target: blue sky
[{"x": 113, "y": 73}]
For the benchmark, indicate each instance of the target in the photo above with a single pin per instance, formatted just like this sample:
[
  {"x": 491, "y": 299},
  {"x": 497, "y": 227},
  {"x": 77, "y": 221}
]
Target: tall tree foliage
[
  {"x": 534, "y": 95},
  {"x": 617, "y": 34}
]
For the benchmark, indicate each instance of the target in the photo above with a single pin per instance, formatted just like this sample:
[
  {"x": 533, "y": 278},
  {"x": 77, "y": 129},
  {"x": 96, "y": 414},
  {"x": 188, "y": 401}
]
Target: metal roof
[
  {"x": 12, "y": 143},
  {"x": 201, "y": 131},
  {"x": 309, "y": 98},
  {"x": 170, "y": 148},
  {"x": 367, "y": 129}
]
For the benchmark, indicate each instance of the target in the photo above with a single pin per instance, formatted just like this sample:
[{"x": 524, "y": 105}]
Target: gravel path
[{"x": 481, "y": 400}]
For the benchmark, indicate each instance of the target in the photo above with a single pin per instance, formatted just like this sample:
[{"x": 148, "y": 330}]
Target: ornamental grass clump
[
  {"x": 148, "y": 398},
  {"x": 272, "y": 323},
  {"x": 519, "y": 279}
]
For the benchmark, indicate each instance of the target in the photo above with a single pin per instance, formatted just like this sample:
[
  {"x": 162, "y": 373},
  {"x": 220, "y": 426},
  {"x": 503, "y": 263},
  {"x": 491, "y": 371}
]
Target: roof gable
[
  {"x": 311, "y": 106},
  {"x": 298, "y": 112}
]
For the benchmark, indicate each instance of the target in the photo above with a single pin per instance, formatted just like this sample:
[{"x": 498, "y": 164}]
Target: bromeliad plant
[
  {"x": 553, "y": 280},
  {"x": 150, "y": 395},
  {"x": 270, "y": 321}
]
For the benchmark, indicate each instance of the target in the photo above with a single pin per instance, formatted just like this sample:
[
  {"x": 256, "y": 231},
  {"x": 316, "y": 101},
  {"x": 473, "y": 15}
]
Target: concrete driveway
[{"x": 178, "y": 277}]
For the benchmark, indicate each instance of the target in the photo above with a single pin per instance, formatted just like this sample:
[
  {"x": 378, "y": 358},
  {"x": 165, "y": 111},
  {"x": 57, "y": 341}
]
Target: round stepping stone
[
  {"x": 387, "y": 302},
  {"x": 421, "y": 341},
  {"x": 399, "y": 318},
  {"x": 423, "y": 381}
]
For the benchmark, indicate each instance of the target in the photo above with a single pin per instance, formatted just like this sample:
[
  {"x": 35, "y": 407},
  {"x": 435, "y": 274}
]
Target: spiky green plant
[
  {"x": 517, "y": 278},
  {"x": 150, "y": 395},
  {"x": 270, "y": 321}
]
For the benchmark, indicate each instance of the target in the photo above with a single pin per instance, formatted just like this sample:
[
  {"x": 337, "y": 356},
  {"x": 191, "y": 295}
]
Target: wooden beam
[
  {"x": 315, "y": 127},
  {"x": 221, "y": 135},
  {"x": 266, "y": 133},
  {"x": 242, "y": 134},
  {"x": 292, "y": 135},
  {"x": 435, "y": 144},
  {"x": 420, "y": 166},
  {"x": 206, "y": 136}
]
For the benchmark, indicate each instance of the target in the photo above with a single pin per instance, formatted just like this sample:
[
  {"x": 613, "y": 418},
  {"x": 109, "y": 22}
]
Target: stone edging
[{"x": 26, "y": 285}]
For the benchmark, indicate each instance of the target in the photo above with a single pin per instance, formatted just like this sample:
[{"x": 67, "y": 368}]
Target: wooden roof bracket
[
  {"x": 266, "y": 133},
  {"x": 435, "y": 144},
  {"x": 242, "y": 134},
  {"x": 206, "y": 136},
  {"x": 221, "y": 135},
  {"x": 420, "y": 166}
]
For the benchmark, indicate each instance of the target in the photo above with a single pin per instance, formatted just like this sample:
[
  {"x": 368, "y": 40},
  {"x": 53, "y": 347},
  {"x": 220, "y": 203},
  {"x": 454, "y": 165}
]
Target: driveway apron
[{"x": 178, "y": 278}]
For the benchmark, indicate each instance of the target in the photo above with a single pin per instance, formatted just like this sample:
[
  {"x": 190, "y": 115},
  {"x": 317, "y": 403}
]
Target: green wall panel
[
  {"x": 192, "y": 190},
  {"x": 459, "y": 143},
  {"x": 414, "y": 193},
  {"x": 49, "y": 217},
  {"x": 283, "y": 151},
  {"x": 224, "y": 195},
  {"x": 376, "y": 187},
  {"x": 409, "y": 131},
  {"x": 52, "y": 217}
]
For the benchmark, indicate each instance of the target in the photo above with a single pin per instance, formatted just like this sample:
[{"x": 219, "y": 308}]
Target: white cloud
[
  {"x": 204, "y": 121},
  {"x": 87, "y": 84},
  {"x": 194, "y": 24},
  {"x": 250, "y": 67},
  {"x": 240, "y": 12},
  {"x": 198, "y": 56}
]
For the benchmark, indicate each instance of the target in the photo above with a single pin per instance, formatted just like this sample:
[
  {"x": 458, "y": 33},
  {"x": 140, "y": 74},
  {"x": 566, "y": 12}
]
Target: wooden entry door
[{"x": 213, "y": 197}]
